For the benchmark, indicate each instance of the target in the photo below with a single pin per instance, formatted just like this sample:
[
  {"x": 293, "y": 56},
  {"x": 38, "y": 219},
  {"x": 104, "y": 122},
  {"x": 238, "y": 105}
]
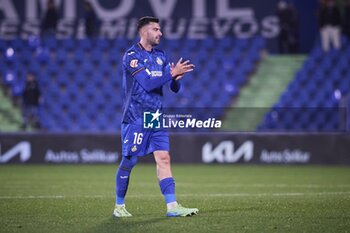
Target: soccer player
[{"x": 145, "y": 71}]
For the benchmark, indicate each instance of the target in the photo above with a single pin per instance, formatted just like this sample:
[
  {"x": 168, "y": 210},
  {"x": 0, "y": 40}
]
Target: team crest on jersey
[
  {"x": 133, "y": 63},
  {"x": 134, "y": 148},
  {"x": 159, "y": 61}
]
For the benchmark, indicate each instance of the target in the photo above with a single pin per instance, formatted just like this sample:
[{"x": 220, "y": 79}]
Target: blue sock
[
  {"x": 122, "y": 178},
  {"x": 167, "y": 186}
]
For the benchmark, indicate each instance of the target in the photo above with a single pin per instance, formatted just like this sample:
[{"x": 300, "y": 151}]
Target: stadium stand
[
  {"x": 262, "y": 91},
  {"x": 81, "y": 82},
  {"x": 81, "y": 79},
  {"x": 312, "y": 100}
]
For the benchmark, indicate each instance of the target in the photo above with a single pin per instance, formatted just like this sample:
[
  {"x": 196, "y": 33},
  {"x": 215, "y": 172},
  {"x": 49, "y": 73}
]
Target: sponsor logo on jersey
[
  {"x": 157, "y": 73},
  {"x": 131, "y": 53},
  {"x": 133, "y": 63}
]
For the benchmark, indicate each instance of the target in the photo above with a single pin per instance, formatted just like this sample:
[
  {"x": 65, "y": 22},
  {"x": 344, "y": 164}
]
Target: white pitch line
[
  {"x": 267, "y": 194},
  {"x": 34, "y": 197},
  {"x": 311, "y": 186},
  {"x": 269, "y": 185},
  {"x": 183, "y": 195}
]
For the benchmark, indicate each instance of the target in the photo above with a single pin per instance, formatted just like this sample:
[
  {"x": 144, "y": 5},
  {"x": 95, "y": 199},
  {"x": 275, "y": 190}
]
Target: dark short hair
[{"x": 146, "y": 20}]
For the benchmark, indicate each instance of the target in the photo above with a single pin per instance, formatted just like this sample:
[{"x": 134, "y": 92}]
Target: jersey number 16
[{"x": 138, "y": 138}]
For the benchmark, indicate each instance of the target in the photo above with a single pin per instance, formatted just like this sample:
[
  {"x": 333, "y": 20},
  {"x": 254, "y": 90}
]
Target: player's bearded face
[{"x": 154, "y": 34}]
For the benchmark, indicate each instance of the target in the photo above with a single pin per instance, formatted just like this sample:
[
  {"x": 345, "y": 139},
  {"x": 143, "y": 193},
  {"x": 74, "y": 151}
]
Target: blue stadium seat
[
  {"x": 43, "y": 55},
  {"x": 61, "y": 56},
  {"x": 242, "y": 44},
  {"x": 191, "y": 44},
  {"x": 258, "y": 43},
  {"x": 53, "y": 69},
  {"x": 78, "y": 56},
  {"x": 69, "y": 44},
  {"x": 225, "y": 43},
  {"x": 122, "y": 44},
  {"x": 208, "y": 43},
  {"x": 103, "y": 44},
  {"x": 174, "y": 44},
  {"x": 9, "y": 77},
  {"x": 96, "y": 56},
  {"x": 51, "y": 43},
  {"x": 87, "y": 68}
]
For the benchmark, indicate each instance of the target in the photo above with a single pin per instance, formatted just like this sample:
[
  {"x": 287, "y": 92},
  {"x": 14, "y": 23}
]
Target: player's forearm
[{"x": 143, "y": 78}]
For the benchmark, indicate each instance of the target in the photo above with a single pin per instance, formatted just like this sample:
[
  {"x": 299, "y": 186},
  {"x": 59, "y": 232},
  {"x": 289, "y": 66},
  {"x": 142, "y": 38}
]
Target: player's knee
[
  {"x": 163, "y": 159},
  {"x": 128, "y": 162}
]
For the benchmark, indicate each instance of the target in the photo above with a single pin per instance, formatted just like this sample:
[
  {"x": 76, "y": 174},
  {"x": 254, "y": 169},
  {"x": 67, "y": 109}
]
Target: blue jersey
[{"x": 144, "y": 74}]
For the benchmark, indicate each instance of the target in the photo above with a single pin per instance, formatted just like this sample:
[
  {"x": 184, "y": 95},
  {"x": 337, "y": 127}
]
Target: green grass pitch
[{"x": 231, "y": 198}]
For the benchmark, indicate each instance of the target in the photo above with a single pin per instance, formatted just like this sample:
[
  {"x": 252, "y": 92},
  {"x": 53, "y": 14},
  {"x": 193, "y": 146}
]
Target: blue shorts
[{"x": 137, "y": 141}]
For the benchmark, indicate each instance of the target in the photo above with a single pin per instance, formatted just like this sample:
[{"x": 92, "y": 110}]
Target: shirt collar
[{"x": 142, "y": 48}]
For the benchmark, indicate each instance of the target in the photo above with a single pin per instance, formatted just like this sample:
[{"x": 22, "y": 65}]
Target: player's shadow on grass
[{"x": 132, "y": 224}]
